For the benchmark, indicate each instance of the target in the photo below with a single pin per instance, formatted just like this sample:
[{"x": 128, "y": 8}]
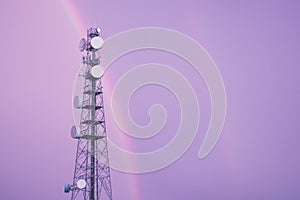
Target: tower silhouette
[{"x": 91, "y": 179}]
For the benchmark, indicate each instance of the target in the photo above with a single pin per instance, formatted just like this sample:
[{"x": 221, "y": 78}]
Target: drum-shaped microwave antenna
[
  {"x": 97, "y": 71},
  {"x": 97, "y": 42},
  {"x": 81, "y": 183}
]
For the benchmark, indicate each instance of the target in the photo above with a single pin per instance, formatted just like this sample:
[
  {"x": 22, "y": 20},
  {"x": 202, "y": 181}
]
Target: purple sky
[{"x": 256, "y": 47}]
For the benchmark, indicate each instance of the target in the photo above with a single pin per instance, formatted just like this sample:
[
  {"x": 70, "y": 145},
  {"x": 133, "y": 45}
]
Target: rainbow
[{"x": 75, "y": 16}]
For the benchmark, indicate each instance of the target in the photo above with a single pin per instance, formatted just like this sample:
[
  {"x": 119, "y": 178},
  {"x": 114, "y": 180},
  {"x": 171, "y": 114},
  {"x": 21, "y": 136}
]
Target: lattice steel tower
[{"x": 92, "y": 172}]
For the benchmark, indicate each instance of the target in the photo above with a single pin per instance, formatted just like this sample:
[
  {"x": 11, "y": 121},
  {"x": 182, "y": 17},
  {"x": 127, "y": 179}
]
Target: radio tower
[{"x": 92, "y": 173}]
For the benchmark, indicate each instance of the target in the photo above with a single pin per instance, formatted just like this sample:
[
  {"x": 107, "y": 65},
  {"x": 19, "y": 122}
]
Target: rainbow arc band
[{"x": 188, "y": 49}]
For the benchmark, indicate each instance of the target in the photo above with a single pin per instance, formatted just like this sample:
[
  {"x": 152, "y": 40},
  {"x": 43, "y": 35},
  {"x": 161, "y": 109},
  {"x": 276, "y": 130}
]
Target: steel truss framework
[{"x": 92, "y": 162}]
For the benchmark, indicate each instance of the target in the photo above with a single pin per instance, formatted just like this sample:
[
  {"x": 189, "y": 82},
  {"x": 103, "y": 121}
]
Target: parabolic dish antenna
[
  {"x": 77, "y": 102},
  {"x": 67, "y": 188},
  {"x": 97, "y": 42},
  {"x": 97, "y": 71},
  {"x": 82, "y": 44},
  {"x": 75, "y": 132},
  {"x": 78, "y": 91}
]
